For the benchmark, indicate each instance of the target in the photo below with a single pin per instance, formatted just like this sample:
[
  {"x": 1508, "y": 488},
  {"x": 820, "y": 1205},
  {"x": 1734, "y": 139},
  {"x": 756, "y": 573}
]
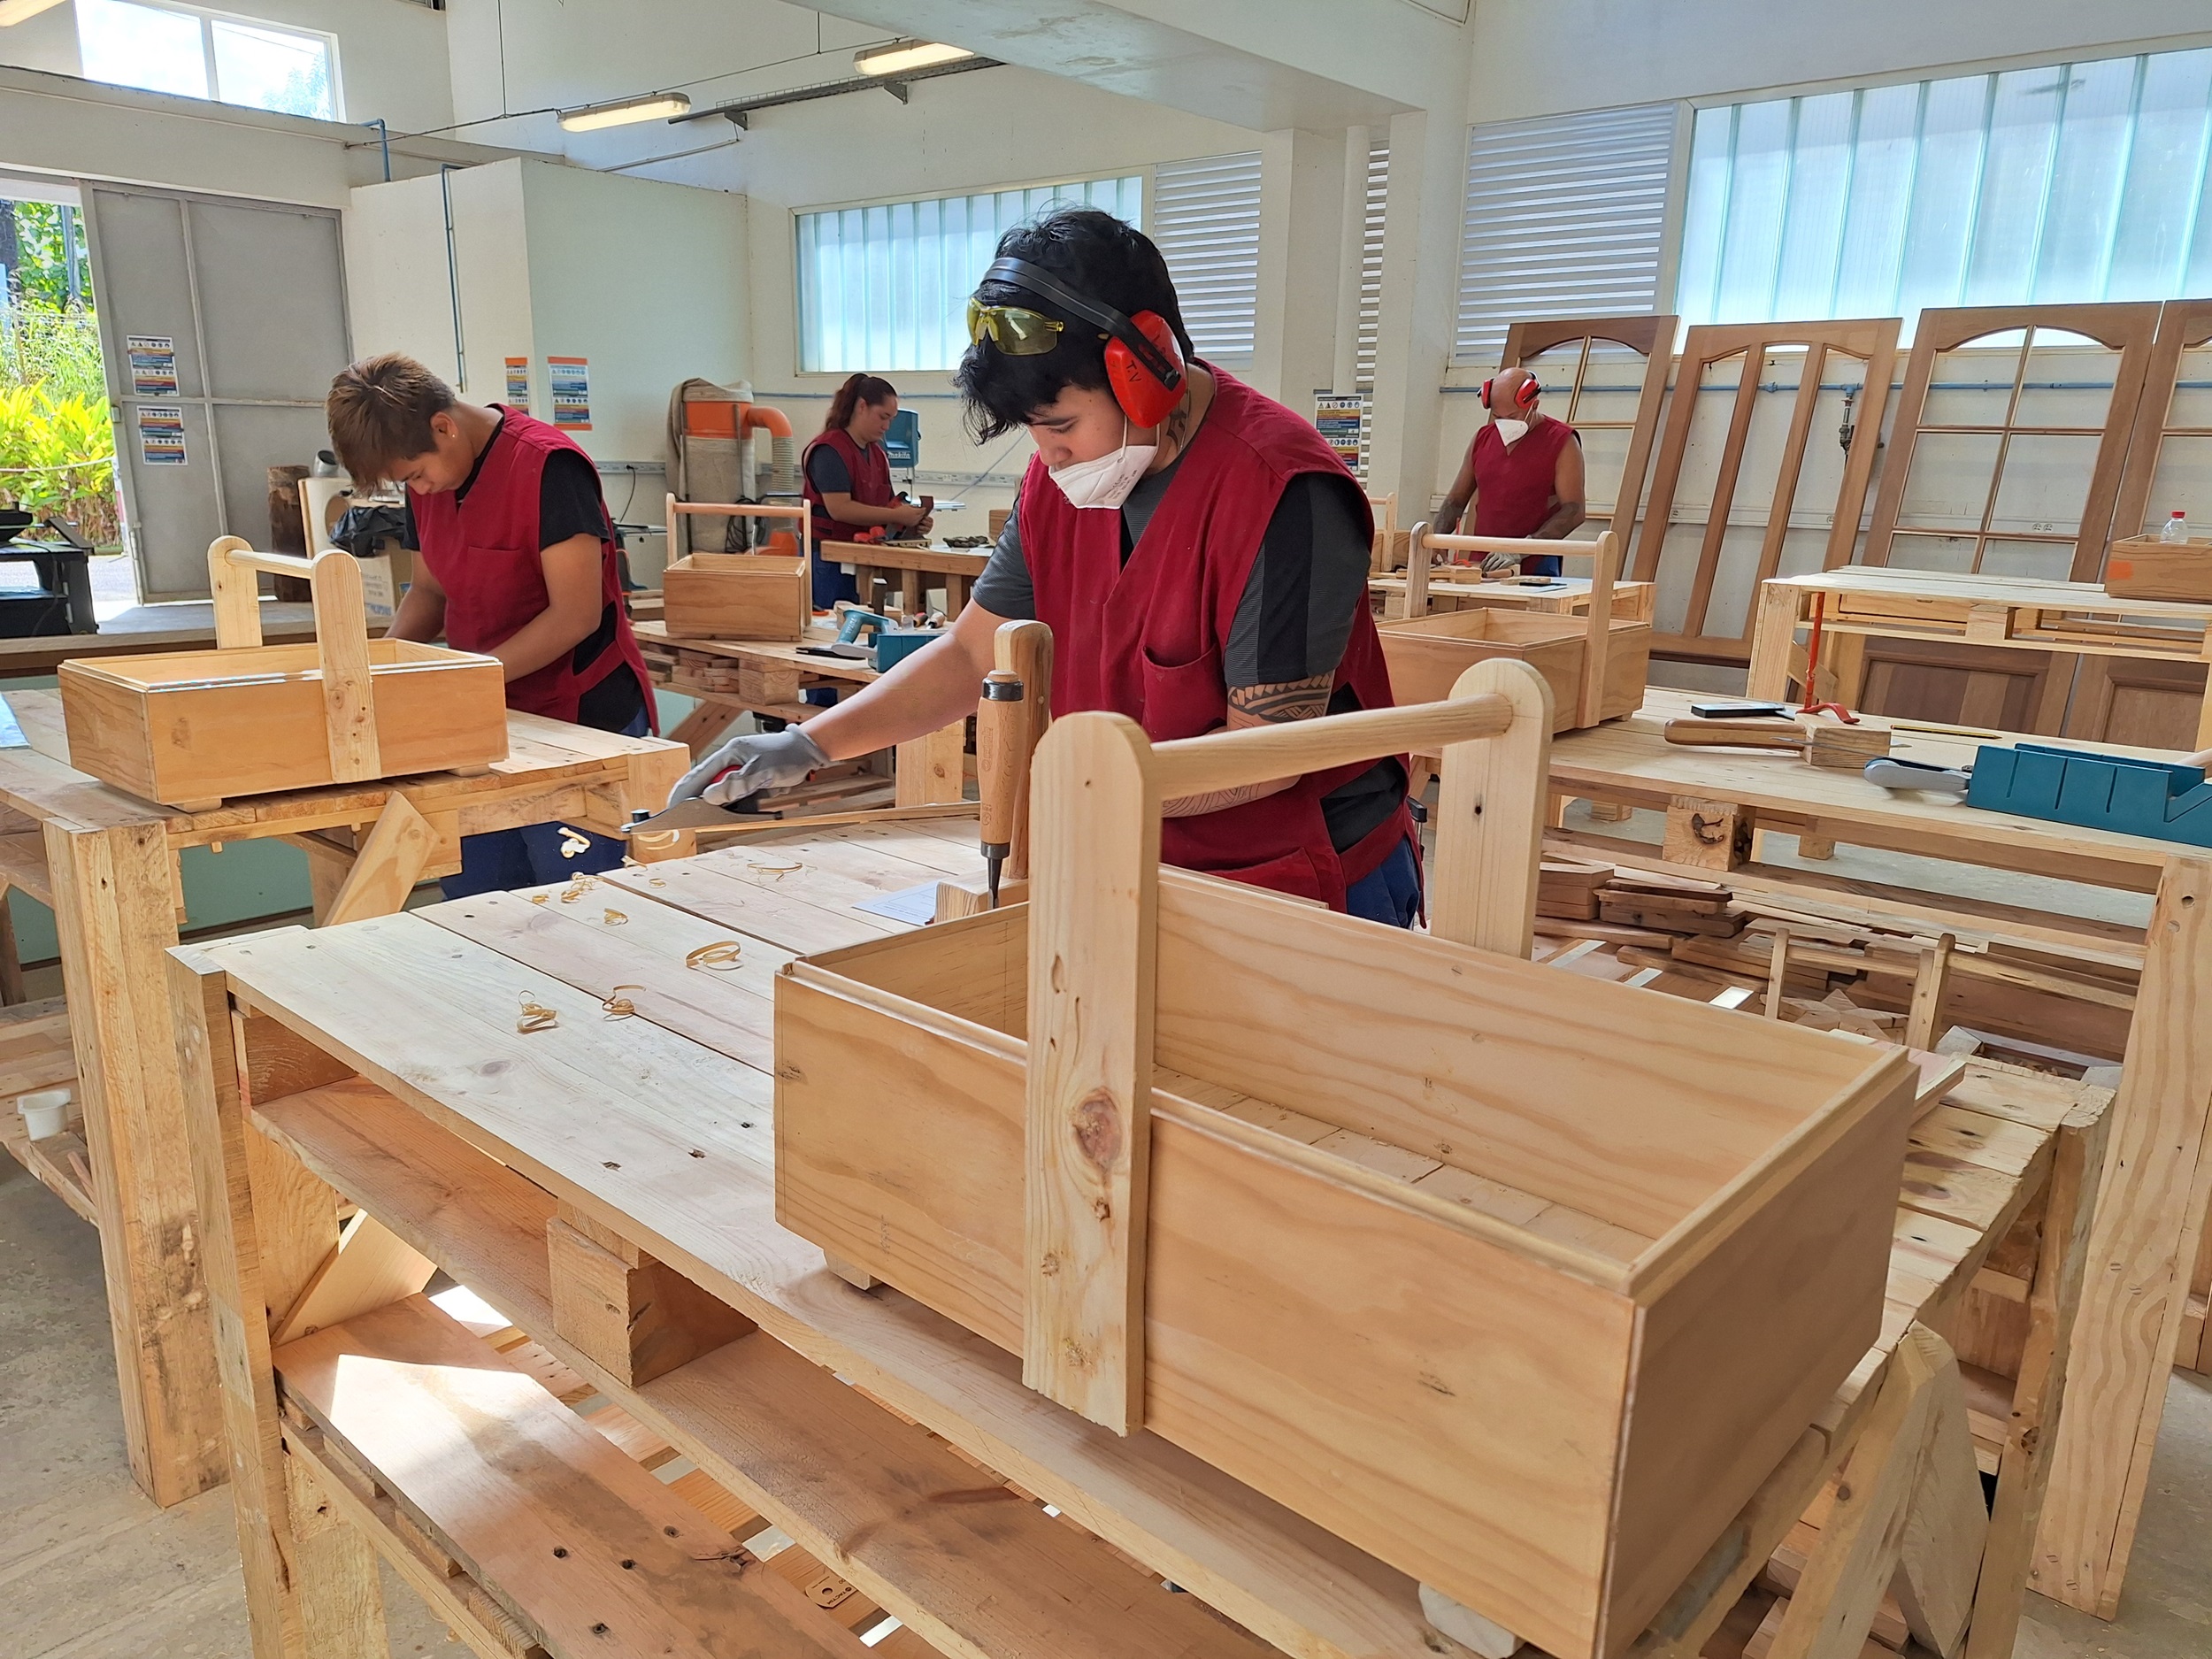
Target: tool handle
[
  {"x": 1893, "y": 774},
  {"x": 1002, "y": 758},
  {"x": 1024, "y": 650},
  {"x": 1737, "y": 733}
]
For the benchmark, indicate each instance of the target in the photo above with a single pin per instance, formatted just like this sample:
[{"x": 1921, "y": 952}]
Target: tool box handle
[
  {"x": 341, "y": 639},
  {"x": 1605, "y": 556},
  {"x": 801, "y": 512}
]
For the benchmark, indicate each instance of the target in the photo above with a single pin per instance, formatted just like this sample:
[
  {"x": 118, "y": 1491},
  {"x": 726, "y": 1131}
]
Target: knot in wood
[
  {"x": 1102, "y": 1210},
  {"x": 1710, "y": 832},
  {"x": 1098, "y": 1128},
  {"x": 1048, "y": 1266}
]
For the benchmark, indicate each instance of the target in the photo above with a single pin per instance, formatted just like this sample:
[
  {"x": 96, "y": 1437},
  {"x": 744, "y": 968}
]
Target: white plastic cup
[{"x": 45, "y": 1112}]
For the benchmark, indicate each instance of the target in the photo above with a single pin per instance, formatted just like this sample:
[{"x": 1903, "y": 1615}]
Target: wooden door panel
[
  {"x": 2142, "y": 702},
  {"x": 1966, "y": 685}
]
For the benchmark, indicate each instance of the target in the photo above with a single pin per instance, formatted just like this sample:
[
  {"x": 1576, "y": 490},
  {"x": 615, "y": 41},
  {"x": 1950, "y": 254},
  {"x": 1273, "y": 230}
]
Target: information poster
[
  {"x": 153, "y": 364},
  {"x": 160, "y": 435},
  {"x": 1343, "y": 424},
  {"x": 570, "y": 379},
  {"x": 518, "y": 383}
]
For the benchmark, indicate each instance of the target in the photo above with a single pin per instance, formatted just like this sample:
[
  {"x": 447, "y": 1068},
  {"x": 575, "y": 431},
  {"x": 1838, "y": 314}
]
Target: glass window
[
  {"x": 203, "y": 54},
  {"x": 886, "y": 288},
  {"x": 2066, "y": 184},
  {"x": 1206, "y": 219}
]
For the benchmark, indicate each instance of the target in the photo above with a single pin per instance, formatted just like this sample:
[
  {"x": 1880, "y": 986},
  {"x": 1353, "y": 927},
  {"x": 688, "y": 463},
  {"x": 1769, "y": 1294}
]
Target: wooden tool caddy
[
  {"x": 1595, "y": 664},
  {"x": 739, "y": 596},
  {"x": 1524, "y": 1298},
  {"x": 193, "y": 729}
]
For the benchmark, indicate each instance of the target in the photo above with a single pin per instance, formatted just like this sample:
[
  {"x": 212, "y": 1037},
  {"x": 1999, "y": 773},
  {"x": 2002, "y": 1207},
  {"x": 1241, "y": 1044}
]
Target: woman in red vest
[
  {"x": 1199, "y": 551},
  {"x": 515, "y": 557},
  {"x": 849, "y": 479},
  {"x": 1523, "y": 473}
]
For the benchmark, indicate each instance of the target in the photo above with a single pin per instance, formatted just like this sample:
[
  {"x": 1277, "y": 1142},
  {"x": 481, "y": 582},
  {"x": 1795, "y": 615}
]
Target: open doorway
[{"x": 58, "y": 483}]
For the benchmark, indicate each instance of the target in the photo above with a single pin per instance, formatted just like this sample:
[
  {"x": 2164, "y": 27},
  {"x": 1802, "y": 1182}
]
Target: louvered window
[
  {"x": 886, "y": 288},
  {"x": 1566, "y": 217},
  {"x": 1370, "y": 261},
  {"x": 1206, "y": 219}
]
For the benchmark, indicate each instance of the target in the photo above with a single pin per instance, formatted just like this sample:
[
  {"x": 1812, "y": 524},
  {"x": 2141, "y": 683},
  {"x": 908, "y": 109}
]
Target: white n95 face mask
[
  {"x": 1511, "y": 431},
  {"x": 1106, "y": 483}
]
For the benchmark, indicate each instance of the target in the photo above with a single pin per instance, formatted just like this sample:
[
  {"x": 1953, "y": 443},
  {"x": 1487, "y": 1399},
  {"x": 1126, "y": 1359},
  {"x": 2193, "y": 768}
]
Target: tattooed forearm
[{"x": 1259, "y": 705}]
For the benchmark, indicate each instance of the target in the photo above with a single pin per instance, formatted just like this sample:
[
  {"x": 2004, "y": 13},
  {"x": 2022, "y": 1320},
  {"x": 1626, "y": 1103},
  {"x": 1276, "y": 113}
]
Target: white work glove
[
  {"x": 765, "y": 760},
  {"x": 1494, "y": 564}
]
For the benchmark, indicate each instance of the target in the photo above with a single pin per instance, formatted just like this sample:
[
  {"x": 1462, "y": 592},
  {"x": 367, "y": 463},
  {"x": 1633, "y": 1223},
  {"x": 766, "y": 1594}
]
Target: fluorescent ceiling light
[
  {"x": 16, "y": 11},
  {"x": 654, "y": 106},
  {"x": 901, "y": 56}
]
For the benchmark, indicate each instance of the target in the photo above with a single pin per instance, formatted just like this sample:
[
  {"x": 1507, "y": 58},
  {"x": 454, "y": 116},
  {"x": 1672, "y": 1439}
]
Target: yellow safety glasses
[{"x": 1013, "y": 329}]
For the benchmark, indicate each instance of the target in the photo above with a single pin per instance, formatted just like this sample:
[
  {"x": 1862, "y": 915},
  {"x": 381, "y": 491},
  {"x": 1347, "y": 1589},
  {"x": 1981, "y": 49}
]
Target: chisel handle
[
  {"x": 1001, "y": 755},
  {"x": 1738, "y": 733},
  {"x": 1024, "y": 650}
]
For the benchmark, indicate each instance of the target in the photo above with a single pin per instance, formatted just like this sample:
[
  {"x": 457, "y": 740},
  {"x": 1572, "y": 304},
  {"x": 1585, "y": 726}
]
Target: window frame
[
  {"x": 1146, "y": 193},
  {"x": 207, "y": 18}
]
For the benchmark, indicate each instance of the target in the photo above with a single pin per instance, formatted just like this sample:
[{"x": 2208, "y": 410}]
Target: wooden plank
[
  {"x": 2150, "y": 1214},
  {"x": 928, "y": 769},
  {"x": 1490, "y": 826},
  {"x": 583, "y": 1547},
  {"x": 752, "y": 902},
  {"x": 1095, "y": 887},
  {"x": 394, "y": 857},
  {"x": 1946, "y": 1526},
  {"x": 368, "y": 1268}
]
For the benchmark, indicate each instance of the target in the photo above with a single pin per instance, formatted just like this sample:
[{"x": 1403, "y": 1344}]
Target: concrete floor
[{"x": 90, "y": 1569}]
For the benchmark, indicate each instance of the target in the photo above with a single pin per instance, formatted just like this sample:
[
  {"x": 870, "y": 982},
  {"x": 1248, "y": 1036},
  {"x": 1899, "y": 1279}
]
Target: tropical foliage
[
  {"x": 56, "y": 443},
  {"x": 57, "y": 455}
]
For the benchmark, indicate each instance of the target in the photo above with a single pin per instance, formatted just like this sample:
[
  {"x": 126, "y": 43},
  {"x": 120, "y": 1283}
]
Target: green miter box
[{"x": 2107, "y": 792}]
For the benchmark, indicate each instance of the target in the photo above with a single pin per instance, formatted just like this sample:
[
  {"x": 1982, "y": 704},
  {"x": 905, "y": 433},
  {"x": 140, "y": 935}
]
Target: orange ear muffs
[{"x": 1144, "y": 397}]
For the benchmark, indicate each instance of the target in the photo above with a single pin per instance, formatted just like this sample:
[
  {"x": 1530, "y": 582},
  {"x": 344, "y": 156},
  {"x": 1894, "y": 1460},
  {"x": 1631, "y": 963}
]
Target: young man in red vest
[
  {"x": 1198, "y": 552},
  {"x": 515, "y": 557},
  {"x": 1523, "y": 473}
]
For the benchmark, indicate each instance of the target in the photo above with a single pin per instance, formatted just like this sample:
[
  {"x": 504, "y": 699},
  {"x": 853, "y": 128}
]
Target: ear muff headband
[
  {"x": 1144, "y": 363},
  {"x": 1523, "y": 396}
]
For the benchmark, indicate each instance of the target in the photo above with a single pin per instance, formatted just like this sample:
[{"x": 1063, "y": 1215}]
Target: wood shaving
[
  {"x": 541, "y": 898},
  {"x": 578, "y": 886},
  {"x": 536, "y": 1016},
  {"x": 654, "y": 881},
  {"x": 778, "y": 871},
  {"x": 615, "y": 918},
  {"x": 719, "y": 957},
  {"x": 574, "y": 843},
  {"x": 618, "y": 1006}
]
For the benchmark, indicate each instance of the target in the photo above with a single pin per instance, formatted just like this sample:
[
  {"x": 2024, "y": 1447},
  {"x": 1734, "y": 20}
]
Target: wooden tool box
[
  {"x": 1525, "y": 1296},
  {"x": 738, "y": 595},
  {"x": 1596, "y": 663},
  {"x": 194, "y": 729}
]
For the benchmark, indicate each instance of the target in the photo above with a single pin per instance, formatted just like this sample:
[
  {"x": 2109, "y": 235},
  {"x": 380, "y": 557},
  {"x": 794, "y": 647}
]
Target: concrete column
[
  {"x": 1420, "y": 287},
  {"x": 1301, "y": 211},
  {"x": 1350, "y": 240}
]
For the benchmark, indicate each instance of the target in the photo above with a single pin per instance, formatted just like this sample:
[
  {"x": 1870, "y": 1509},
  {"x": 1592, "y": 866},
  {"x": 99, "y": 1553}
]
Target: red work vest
[
  {"x": 1513, "y": 488},
  {"x": 870, "y": 469},
  {"x": 483, "y": 552},
  {"x": 1147, "y": 640}
]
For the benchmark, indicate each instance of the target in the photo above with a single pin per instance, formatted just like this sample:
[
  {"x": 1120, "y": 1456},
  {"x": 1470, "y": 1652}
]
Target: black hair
[{"x": 1100, "y": 258}]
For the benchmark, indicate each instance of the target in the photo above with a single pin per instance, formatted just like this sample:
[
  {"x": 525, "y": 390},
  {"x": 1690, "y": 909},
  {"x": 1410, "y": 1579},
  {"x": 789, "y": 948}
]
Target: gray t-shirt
[{"x": 1292, "y": 623}]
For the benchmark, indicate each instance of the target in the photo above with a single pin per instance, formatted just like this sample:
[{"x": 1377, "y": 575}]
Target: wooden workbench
[
  {"x": 2139, "y": 1310},
  {"x": 2009, "y": 614},
  {"x": 730, "y": 678},
  {"x": 106, "y": 863},
  {"x": 1453, "y": 588},
  {"x": 955, "y": 570},
  {"x": 386, "y": 1068},
  {"x": 148, "y": 628}
]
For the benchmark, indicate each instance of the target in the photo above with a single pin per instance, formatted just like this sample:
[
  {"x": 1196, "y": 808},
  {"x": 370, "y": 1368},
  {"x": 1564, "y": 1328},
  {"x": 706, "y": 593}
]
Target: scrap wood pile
[{"x": 1840, "y": 967}]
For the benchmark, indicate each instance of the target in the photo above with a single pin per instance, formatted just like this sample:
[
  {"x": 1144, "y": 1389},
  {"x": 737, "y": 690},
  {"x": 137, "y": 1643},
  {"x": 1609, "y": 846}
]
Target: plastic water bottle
[{"x": 2177, "y": 527}]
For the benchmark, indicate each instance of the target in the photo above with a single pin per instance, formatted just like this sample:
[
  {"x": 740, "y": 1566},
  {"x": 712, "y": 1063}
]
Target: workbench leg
[
  {"x": 700, "y": 730},
  {"x": 929, "y": 770},
  {"x": 326, "y": 873},
  {"x": 1851, "y": 1567},
  {"x": 955, "y": 596},
  {"x": 312, "y": 1586},
  {"x": 2204, "y": 709},
  {"x": 385, "y": 870},
  {"x": 1773, "y": 631},
  {"x": 1708, "y": 835},
  {"x": 12, "y": 990},
  {"x": 2023, "y": 1470},
  {"x": 652, "y": 773},
  {"x": 113, "y": 911},
  {"x": 2150, "y": 1212},
  {"x": 1611, "y": 811}
]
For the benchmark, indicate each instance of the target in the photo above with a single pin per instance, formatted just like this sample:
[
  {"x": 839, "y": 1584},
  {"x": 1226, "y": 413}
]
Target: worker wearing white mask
[
  {"x": 1198, "y": 552},
  {"x": 1523, "y": 473}
]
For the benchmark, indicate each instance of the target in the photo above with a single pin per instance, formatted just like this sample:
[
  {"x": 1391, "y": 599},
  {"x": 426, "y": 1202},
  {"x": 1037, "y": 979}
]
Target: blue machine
[
  {"x": 2106, "y": 792},
  {"x": 903, "y": 444}
]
